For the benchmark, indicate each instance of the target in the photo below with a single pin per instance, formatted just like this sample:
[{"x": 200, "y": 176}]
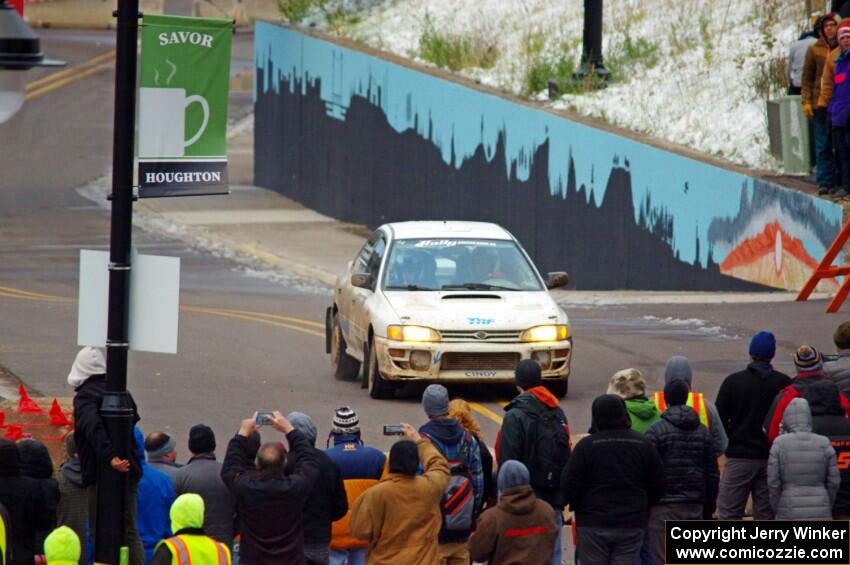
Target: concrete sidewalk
[{"x": 260, "y": 226}]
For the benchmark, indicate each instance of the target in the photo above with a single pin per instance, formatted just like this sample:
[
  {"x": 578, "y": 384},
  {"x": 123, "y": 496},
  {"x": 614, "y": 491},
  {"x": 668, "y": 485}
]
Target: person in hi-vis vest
[
  {"x": 189, "y": 544},
  {"x": 678, "y": 368}
]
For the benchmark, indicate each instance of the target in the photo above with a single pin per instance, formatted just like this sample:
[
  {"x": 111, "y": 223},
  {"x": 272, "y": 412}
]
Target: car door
[
  {"x": 361, "y": 318},
  {"x": 345, "y": 295}
]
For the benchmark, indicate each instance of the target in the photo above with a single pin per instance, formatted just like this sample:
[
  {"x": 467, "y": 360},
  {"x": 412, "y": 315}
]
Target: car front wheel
[
  {"x": 378, "y": 387},
  {"x": 345, "y": 366}
]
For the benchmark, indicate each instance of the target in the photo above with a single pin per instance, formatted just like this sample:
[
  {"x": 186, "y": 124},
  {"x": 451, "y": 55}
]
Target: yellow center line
[
  {"x": 274, "y": 317},
  {"x": 486, "y": 412},
  {"x": 71, "y": 70},
  {"x": 66, "y": 81},
  {"x": 226, "y": 314}
]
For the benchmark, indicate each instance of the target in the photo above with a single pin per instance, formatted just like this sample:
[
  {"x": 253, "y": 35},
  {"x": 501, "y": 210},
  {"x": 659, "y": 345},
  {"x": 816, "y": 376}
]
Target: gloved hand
[{"x": 807, "y": 110}]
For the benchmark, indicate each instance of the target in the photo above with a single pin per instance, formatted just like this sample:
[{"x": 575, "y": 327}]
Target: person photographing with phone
[
  {"x": 400, "y": 517},
  {"x": 270, "y": 501}
]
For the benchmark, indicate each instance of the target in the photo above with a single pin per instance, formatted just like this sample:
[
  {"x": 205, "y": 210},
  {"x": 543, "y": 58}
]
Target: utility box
[{"x": 788, "y": 130}]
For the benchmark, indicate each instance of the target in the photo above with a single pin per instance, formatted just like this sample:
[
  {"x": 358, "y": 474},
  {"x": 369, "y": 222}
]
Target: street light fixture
[{"x": 19, "y": 51}]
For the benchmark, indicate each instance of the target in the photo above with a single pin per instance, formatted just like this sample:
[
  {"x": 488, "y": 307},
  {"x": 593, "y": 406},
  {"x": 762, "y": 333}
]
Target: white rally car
[{"x": 445, "y": 302}]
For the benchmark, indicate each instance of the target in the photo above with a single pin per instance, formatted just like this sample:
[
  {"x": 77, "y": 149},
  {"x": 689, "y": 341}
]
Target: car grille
[
  {"x": 493, "y": 336},
  {"x": 454, "y": 361}
]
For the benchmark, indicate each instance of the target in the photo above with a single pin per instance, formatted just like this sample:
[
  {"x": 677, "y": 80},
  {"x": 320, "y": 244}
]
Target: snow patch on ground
[
  {"x": 700, "y": 93},
  {"x": 692, "y": 324}
]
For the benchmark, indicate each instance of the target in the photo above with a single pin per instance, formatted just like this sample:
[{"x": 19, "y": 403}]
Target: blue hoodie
[
  {"x": 153, "y": 502},
  {"x": 447, "y": 434}
]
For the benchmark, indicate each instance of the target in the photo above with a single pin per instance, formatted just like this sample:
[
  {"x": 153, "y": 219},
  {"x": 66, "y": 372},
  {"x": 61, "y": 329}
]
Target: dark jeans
[
  {"x": 842, "y": 144},
  {"x": 742, "y": 477},
  {"x": 662, "y": 512},
  {"x": 317, "y": 554},
  {"x": 131, "y": 533},
  {"x": 609, "y": 546},
  {"x": 824, "y": 156}
]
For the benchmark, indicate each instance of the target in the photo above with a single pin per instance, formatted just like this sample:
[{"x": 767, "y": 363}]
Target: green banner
[{"x": 185, "y": 77}]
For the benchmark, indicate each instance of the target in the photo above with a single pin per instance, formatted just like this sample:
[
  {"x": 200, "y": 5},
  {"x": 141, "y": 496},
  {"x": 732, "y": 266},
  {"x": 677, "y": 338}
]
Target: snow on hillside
[{"x": 694, "y": 72}]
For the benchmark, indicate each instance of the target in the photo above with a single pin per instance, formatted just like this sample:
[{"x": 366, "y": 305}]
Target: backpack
[
  {"x": 551, "y": 450},
  {"x": 457, "y": 505}
]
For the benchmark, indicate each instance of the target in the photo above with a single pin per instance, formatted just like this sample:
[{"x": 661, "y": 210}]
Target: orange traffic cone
[
  {"x": 14, "y": 432},
  {"x": 27, "y": 405},
  {"x": 57, "y": 416}
]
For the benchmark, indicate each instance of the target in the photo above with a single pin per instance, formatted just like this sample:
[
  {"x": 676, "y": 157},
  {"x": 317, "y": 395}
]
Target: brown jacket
[
  {"x": 813, "y": 65},
  {"x": 520, "y": 530},
  {"x": 826, "y": 83},
  {"x": 400, "y": 516}
]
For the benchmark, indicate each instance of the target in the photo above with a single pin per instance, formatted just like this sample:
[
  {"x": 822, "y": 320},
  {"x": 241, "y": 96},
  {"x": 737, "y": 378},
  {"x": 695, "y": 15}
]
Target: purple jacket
[{"x": 839, "y": 105}]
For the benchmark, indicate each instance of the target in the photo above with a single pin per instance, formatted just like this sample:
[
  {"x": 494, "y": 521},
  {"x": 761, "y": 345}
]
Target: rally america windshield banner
[{"x": 182, "y": 144}]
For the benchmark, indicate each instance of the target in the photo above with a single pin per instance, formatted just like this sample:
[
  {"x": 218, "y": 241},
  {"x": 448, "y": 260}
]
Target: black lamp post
[
  {"x": 20, "y": 50},
  {"x": 591, "y": 53}
]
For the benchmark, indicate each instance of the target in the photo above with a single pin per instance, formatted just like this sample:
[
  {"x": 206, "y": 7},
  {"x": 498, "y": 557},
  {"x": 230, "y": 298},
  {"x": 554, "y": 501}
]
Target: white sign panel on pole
[{"x": 154, "y": 301}]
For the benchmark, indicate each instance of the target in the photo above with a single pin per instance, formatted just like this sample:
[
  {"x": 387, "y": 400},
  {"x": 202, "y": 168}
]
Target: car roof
[{"x": 447, "y": 229}]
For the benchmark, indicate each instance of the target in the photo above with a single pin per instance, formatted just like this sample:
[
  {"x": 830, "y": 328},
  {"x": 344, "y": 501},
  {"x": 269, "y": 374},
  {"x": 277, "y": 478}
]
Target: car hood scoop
[{"x": 471, "y": 297}]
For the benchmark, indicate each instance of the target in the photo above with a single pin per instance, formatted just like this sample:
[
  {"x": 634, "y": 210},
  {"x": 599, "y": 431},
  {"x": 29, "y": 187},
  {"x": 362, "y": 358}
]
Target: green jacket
[{"x": 643, "y": 413}]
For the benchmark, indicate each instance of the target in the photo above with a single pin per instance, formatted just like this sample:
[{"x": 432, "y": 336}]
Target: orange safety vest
[
  {"x": 189, "y": 548},
  {"x": 696, "y": 400}
]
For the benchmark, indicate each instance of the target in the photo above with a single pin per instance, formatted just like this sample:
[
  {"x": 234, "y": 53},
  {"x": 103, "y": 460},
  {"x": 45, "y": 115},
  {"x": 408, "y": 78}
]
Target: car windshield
[{"x": 458, "y": 264}]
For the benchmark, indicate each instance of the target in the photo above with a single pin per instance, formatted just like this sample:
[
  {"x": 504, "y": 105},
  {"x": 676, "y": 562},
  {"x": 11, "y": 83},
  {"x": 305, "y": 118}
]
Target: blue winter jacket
[
  {"x": 355, "y": 460},
  {"x": 153, "y": 502},
  {"x": 839, "y": 104}
]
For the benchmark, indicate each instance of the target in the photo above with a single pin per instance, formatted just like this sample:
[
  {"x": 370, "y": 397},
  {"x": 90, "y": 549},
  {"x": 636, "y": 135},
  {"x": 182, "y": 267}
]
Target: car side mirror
[
  {"x": 361, "y": 280},
  {"x": 557, "y": 279}
]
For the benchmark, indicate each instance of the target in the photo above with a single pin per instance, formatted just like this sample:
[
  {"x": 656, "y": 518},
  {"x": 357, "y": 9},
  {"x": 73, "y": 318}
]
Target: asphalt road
[{"x": 247, "y": 343}]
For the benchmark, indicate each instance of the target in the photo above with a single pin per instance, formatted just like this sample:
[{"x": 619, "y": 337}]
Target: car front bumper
[{"x": 468, "y": 362}]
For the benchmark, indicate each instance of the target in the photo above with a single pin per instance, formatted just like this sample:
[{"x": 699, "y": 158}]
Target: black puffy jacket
[
  {"x": 690, "y": 462},
  {"x": 830, "y": 420}
]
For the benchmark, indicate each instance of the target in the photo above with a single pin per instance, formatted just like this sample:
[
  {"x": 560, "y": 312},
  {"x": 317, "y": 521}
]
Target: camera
[
  {"x": 393, "y": 430},
  {"x": 264, "y": 418}
]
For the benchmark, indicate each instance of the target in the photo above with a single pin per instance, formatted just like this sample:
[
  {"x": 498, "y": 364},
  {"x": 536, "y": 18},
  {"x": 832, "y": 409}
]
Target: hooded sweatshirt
[
  {"x": 448, "y": 437},
  {"x": 62, "y": 547},
  {"x": 615, "y": 474},
  {"x": 643, "y": 413},
  {"x": 678, "y": 367},
  {"x": 801, "y": 472},
  {"x": 830, "y": 420},
  {"x": 516, "y": 439},
  {"x": 36, "y": 463},
  {"x": 743, "y": 401},
  {"x": 187, "y": 521}
]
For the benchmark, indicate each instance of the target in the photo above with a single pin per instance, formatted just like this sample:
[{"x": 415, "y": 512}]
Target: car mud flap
[{"x": 329, "y": 326}]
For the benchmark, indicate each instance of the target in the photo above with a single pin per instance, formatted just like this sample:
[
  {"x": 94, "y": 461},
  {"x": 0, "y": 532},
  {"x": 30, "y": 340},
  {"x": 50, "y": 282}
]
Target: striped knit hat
[
  {"x": 345, "y": 421},
  {"x": 808, "y": 361}
]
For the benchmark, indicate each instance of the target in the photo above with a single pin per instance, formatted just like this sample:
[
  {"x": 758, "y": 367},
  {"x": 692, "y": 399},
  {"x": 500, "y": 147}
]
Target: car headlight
[
  {"x": 554, "y": 332},
  {"x": 412, "y": 333}
]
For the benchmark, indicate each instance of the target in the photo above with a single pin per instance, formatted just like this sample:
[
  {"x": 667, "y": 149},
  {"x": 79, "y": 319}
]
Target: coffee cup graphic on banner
[{"x": 162, "y": 121}]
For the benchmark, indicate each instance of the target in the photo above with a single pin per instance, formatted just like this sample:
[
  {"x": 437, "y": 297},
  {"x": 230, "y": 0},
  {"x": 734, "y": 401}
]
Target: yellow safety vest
[
  {"x": 189, "y": 549},
  {"x": 698, "y": 405},
  {"x": 2, "y": 541}
]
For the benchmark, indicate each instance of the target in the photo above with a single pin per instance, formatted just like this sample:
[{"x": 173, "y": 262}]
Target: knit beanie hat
[
  {"x": 435, "y": 400},
  {"x": 627, "y": 384},
  {"x": 841, "y": 337},
  {"x": 304, "y": 424},
  {"x": 843, "y": 29},
  {"x": 676, "y": 393},
  {"x": 808, "y": 361},
  {"x": 62, "y": 546},
  {"x": 608, "y": 412},
  {"x": 89, "y": 361},
  {"x": 527, "y": 374},
  {"x": 512, "y": 474},
  {"x": 678, "y": 368},
  {"x": 345, "y": 421},
  {"x": 763, "y": 346},
  {"x": 201, "y": 439},
  {"x": 404, "y": 457}
]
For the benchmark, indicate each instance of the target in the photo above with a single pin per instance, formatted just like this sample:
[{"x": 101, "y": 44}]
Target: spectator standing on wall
[
  {"x": 536, "y": 433},
  {"x": 690, "y": 466},
  {"x": 202, "y": 476},
  {"x": 612, "y": 479},
  {"x": 796, "y": 58},
  {"x": 835, "y": 97},
  {"x": 744, "y": 399},
  {"x": 630, "y": 385},
  {"x": 802, "y": 473},
  {"x": 817, "y": 53},
  {"x": 327, "y": 502},
  {"x": 361, "y": 468},
  {"x": 830, "y": 420}
]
